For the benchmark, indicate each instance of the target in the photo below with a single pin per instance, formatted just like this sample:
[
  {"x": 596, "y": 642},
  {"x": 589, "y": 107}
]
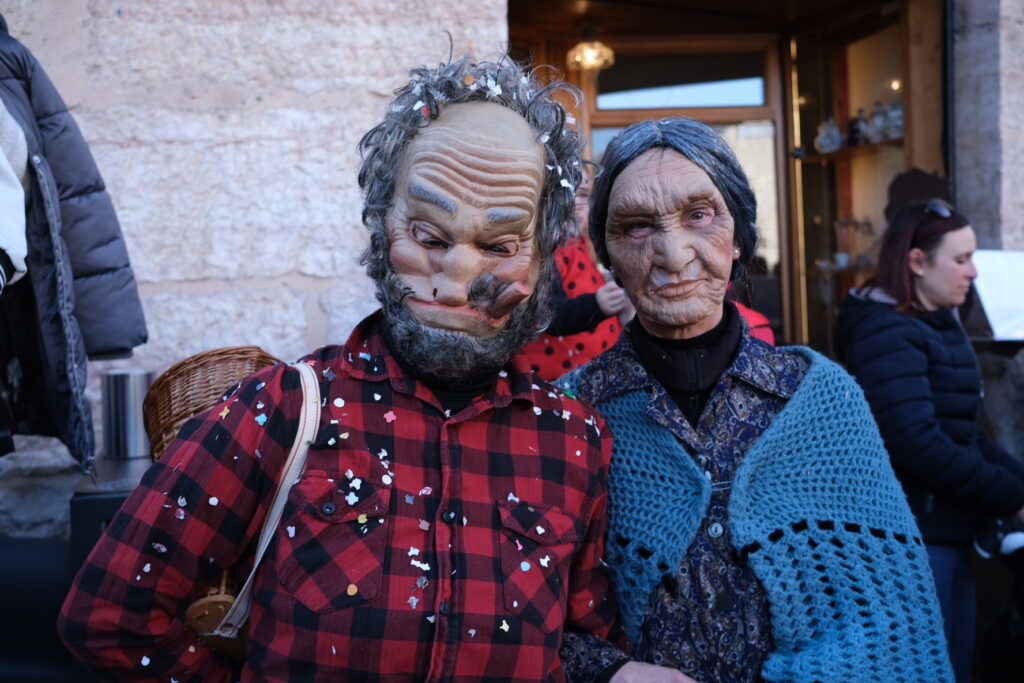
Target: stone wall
[
  {"x": 226, "y": 133},
  {"x": 988, "y": 82},
  {"x": 989, "y": 144}
]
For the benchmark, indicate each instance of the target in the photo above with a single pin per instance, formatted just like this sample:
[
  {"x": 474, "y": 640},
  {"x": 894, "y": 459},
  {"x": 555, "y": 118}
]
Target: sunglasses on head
[{"x": 939, "y": 207}]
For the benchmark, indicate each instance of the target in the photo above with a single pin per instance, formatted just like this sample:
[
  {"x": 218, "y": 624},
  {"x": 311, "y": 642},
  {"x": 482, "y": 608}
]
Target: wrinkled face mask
[
  {"x": 460, "y": 296},
  {"x": 670, "y": 239}
]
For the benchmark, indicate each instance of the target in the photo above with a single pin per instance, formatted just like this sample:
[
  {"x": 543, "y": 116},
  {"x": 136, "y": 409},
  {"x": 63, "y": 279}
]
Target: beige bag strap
[{"x": 237, "y": 615}]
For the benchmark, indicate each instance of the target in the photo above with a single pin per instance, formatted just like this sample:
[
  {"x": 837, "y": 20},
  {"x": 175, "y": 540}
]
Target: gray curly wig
[{"x": 414, "y": 107}]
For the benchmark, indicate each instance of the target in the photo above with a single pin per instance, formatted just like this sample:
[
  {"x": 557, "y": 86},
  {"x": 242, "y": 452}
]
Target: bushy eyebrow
[
  {"x": 425, "y": 193},
  {"x": 505, "y": 214}
]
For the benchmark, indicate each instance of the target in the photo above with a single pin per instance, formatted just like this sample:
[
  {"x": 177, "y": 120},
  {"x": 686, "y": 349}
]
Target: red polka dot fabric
[{"x": 551, "y": 356}]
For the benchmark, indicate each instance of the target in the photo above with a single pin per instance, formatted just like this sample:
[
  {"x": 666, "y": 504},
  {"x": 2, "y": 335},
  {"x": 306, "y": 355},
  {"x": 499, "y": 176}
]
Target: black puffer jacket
[
  {"x": 921, "y": 377},
  {"x": 79, "y": 296}
]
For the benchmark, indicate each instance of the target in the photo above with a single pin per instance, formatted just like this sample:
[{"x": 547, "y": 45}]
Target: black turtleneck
[
  {"x": 453, "y": 397},
  {"x": 689, "y": 368}
]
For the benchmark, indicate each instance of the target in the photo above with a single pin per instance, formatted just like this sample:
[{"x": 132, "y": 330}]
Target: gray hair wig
[
  {"x": 419, "y": 102},
  {"x": 700, "y": 144}
]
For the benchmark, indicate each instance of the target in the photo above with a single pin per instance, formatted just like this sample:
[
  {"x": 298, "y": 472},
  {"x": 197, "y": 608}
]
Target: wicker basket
[{"x": 193, "y": 385}]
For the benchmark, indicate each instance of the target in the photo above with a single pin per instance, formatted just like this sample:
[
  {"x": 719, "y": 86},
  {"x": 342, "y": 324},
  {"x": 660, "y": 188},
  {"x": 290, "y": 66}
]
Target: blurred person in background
[
  {"x": 900, "y": 336},
  {"x": 589, "y": 311}
]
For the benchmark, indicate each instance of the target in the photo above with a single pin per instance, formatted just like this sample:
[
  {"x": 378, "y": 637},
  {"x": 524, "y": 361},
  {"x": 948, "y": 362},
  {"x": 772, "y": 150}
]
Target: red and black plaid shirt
[{"x": 415, "y": 546}]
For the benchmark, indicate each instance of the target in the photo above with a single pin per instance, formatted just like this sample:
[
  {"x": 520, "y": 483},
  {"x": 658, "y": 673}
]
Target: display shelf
[{"x": 844, "y": 153}]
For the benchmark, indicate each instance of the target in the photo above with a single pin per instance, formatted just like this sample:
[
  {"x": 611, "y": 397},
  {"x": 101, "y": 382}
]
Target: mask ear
[{"x": 917, "y": 260}]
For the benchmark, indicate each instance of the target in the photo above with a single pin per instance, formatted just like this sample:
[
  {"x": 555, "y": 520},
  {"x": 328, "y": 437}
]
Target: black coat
[
  {"x": 79, "y": 297},
  {"x": 922, "y": 380}
]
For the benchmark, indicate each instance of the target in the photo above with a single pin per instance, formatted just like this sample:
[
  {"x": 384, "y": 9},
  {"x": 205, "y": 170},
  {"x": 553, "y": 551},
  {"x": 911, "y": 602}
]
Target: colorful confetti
[
  {"x": 524, "y": 565},
  {"x": 352, "y": 498},
  {"x": 389, "y": 416},
  {"x": 352, "y": 589},
  {"x": 544, "y": 561},
  {"x": 425, "y": 525},
  {"x": 504, "y": 626},
  {"x": 261, "y": 419},
  {"x": 339, "y": 403},
  {"x": 224, "y": 413},
  {"x": 291, "y": 531},
  {"x": 214, "y": 501}
]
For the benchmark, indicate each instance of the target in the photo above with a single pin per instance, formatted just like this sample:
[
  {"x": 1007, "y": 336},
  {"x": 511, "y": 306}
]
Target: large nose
[
  {"x": 454, "y": 270},
  {"x": 673, "y": 249},
  {"x": 972, "y": 270}
]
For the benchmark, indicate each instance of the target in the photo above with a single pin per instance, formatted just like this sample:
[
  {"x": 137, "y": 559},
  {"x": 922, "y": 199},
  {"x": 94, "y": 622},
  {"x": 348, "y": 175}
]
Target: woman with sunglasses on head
[{"x": 900, "y": 336}]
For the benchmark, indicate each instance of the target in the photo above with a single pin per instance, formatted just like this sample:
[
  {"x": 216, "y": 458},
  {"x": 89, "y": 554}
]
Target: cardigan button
[
  {"x": 715, "y": 530},
  {"x": 328, "y": 508}
]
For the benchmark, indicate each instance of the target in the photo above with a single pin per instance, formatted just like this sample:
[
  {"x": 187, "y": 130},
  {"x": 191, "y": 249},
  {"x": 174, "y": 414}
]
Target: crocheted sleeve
[{"x": 820, "y": 516}]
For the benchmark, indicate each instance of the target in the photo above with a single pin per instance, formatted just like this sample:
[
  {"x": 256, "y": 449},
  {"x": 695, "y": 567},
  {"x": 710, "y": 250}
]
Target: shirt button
[
  {"x": 446, "y": 608},
  {"x": 328, "y": 508},
  {"x": 449, "y": 516},
  {"x": 715, "y": 530}
]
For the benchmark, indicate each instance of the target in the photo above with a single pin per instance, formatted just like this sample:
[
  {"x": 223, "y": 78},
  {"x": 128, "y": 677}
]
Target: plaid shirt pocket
[
  {"x": 332, "y": 540},
  {"x": 537, "y": 545}
]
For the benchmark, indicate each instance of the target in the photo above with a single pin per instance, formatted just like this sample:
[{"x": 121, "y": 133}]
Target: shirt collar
[{"x": 619, "y": 370}]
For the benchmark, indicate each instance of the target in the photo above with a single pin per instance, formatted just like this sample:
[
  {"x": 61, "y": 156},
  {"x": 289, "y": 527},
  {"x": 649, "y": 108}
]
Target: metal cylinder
[{"x": 124, "y": 433}]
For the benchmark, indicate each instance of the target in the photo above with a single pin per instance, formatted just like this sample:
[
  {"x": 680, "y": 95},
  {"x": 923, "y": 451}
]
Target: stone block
[
  {"x": 36, "y": 482},
  {"x": 345, "y": 304}
]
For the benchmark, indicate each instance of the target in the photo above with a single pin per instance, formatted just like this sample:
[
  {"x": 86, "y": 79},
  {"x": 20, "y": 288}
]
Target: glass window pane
[{"x": 664, "y": 81}]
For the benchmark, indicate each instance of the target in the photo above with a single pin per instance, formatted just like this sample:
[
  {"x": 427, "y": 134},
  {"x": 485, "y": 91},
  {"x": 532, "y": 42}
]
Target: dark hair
[
  {"x": 921, "y": 225},
  {"x": 421, "y": 101},
  {"x": 700, "y": 144}
]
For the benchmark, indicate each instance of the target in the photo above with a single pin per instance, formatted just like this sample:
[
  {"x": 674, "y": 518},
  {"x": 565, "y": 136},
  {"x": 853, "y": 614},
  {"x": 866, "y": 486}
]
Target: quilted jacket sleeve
[{"x": 892, "y": 368}]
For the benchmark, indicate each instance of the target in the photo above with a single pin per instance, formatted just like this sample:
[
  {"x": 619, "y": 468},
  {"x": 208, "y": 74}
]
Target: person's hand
[
  {"x": 612, "y": 299},
  {"x": 638, "y": 672}
]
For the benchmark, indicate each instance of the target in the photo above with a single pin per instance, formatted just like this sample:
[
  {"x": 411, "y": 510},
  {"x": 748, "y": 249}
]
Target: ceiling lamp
[{"x": 589, "y": 54}]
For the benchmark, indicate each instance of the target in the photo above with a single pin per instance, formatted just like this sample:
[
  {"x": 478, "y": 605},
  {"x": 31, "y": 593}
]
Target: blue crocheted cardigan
[{"x": 817, "y": 512}]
